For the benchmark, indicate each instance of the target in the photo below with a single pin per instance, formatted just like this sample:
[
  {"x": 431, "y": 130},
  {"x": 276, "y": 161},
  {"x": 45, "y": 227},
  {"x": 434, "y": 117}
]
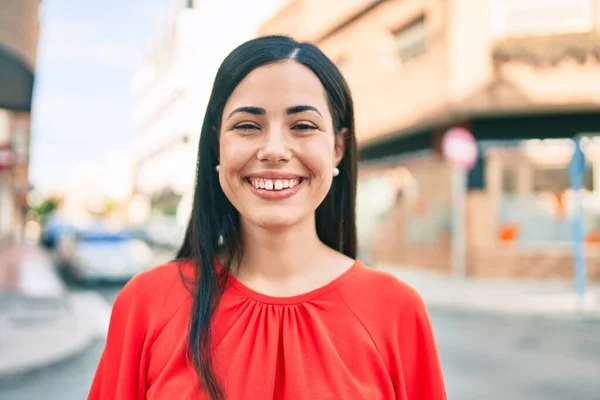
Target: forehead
[{"x": 278, "y": 86}]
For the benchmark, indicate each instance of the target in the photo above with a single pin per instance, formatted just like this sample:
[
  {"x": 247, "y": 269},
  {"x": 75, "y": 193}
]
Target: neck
[{"x": 281, "y": 254}]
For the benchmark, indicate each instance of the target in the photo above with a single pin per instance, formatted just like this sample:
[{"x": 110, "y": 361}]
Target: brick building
[
  {"x": 511, "y": 71},
  {"x": 19, "y": 29}
]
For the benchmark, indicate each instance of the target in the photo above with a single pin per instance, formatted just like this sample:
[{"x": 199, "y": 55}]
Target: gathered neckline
[{"x": 298, "y": 298}]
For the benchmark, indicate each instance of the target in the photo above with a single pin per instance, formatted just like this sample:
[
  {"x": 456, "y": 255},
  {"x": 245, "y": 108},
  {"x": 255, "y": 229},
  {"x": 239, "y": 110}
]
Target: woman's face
[{"x": 277, "y": 146}]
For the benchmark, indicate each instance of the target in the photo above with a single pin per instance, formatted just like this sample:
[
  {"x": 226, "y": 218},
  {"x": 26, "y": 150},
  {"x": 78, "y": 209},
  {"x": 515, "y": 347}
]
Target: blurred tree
[
  {"x": 46, "y": 207},
  {"x": 109, "y": 206}
]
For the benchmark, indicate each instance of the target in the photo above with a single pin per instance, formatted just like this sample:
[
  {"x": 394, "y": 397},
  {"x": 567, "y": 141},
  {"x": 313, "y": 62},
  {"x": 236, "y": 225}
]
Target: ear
[{"x": 341, "y": 139}]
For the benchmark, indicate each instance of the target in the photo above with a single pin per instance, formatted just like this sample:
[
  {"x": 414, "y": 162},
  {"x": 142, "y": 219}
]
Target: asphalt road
[{"x": 484, "y": 357}]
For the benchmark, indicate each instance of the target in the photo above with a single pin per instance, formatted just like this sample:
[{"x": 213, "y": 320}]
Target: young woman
[{"x": 266, "y": 299}]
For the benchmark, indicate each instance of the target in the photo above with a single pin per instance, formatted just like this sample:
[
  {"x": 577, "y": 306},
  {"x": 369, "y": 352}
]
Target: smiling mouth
[{"x": 274, "y": 185}]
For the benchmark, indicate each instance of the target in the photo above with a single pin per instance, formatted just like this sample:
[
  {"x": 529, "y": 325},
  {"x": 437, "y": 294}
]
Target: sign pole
[
  {"x": 577, "y": 170},
  {"x": 459, "y": 195},
  {"x": 460, "y": 149}
]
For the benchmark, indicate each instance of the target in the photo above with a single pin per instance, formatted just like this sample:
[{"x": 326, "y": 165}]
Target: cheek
[
  {"x": 318, "y": 156},
  {"x": 233, "y": 155},
  {"x": 231, "y": 160}
]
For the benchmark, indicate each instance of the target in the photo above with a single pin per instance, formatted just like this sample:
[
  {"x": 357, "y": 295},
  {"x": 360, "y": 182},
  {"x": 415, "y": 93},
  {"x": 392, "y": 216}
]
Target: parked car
[
  {"x": 93, "y": 255},
  {"x": 52, "y": 231},
  {"x": 162, "y": 232}
]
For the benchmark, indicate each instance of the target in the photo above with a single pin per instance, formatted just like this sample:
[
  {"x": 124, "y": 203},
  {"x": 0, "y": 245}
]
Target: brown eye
[
  {"x": 245, "y": 127},
  {"x": 303, "y": 127}
]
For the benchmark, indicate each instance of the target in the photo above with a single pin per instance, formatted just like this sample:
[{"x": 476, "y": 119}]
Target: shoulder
[
  {"x": 157, "y": 293},
  {"x": 382, "y": 286},
  {"x": 162, "y": 278},
  {"x": 381, "y": 296},
  {"x": 396, "y": 320}
]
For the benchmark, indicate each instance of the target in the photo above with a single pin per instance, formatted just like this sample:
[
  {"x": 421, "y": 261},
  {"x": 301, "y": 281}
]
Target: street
[
  {"x": 484, "y": 357},
  {"x": 493, "y": 358}
]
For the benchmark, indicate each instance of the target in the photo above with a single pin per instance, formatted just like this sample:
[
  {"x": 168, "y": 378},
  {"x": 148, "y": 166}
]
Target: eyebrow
[
  {"x": 249, "y": 110},
  {"x": 301, "y": 108},
  {"x": 261, "y": 111}
]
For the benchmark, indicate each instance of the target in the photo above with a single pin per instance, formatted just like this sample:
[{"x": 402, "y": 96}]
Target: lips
[{"x": 274, "y": 186}]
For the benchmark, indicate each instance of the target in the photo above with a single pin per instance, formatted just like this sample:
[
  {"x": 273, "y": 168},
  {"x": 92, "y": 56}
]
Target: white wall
[{"x": 6, "y": 208}]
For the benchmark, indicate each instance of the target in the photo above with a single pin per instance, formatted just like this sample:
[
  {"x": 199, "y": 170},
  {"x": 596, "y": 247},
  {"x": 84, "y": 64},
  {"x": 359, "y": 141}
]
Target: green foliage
[{"x": 46, "y": 207}]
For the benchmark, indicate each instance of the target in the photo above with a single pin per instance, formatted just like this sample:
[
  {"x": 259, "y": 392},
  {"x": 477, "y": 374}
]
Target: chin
[{"x": 274, "y": 220}]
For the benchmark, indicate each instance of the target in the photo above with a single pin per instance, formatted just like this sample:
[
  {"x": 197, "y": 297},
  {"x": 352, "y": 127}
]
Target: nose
[{"x": 274, "y": 147}]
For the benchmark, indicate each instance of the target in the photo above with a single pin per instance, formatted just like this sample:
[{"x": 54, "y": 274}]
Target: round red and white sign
[{"x": 460, "y": 148}]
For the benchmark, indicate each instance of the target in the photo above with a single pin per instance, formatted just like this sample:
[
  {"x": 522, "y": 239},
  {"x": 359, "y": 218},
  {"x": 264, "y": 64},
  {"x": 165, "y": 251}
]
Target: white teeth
[{"x": 278, "y": 184}]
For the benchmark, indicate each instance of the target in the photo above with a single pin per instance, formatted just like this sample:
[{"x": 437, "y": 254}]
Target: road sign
[{"x": 460, "y": 148}]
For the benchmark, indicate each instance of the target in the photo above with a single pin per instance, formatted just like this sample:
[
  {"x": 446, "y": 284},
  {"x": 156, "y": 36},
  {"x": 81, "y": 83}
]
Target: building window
[
  {"x": 411, "y": 39},
  {"x": 541, "y": 17}
]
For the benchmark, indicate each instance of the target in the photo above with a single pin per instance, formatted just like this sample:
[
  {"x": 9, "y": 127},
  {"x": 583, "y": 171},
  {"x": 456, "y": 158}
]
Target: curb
[
  {"x": 66, "y": 333},
  {"x": 523, "y": 300},
  {"x": 580, "y": 316}
]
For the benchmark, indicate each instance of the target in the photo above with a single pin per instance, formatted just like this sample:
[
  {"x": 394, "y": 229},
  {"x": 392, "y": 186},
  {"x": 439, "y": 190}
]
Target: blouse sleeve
[
  {"x": 120, "y": 374},
  {"x": 421, "y": 368}
]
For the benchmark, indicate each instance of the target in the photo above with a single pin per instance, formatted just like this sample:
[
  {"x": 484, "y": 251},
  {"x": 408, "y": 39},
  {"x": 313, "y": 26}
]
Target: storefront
[{"x": 520, "y": 206}]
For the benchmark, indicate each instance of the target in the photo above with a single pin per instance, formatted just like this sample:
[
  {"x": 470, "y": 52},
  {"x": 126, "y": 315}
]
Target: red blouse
[{"x": 365, "y": 335}]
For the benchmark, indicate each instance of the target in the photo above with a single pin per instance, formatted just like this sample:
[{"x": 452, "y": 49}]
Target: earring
[
  {"x": 218, "y": 167},
  {"x": 336, "y": 171}
]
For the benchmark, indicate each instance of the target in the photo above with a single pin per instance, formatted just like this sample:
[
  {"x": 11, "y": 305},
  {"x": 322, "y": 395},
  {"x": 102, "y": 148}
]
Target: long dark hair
[{"x": 213, "y": 230}]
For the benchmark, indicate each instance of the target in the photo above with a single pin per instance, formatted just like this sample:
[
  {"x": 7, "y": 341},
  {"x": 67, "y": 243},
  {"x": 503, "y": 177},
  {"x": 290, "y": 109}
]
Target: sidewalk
[
  {"x": 40, "y": 321},
  {"x": 505, "y": 296}
]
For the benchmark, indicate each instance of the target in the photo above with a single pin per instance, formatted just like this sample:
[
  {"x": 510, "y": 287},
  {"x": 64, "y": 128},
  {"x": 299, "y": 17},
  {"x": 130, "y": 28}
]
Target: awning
[
  {"x": 16, "y": 82},
  {"x": 497, "y": 125}
]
